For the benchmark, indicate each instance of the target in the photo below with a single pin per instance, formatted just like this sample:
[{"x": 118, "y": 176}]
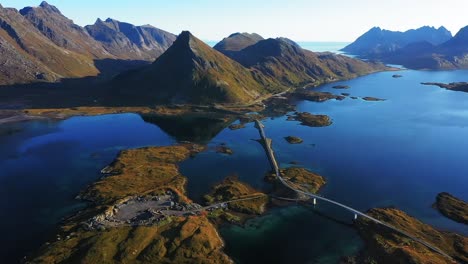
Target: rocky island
[
  {"x": 138, "y": 179},
  {"x": 452, "y": 207},
  {"x": 308, "y": 119},
  {"x": 293, "y": 140},
  {"x": 386, "y": 246}
]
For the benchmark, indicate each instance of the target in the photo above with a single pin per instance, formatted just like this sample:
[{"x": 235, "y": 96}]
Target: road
[{"x": 266, "y": 142}]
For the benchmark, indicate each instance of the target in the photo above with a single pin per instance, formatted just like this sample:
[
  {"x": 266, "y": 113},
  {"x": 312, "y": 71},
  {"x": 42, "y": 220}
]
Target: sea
[{"x": 399, "y": 152}]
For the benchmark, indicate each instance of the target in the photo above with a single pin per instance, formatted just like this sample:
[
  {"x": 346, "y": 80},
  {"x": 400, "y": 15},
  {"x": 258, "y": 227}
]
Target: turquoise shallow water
[{"x": 399, "y": 152}]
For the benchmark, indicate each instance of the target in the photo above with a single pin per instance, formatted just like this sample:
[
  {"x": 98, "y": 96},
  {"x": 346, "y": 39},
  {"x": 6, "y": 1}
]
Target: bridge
[{"x": 267, "y": 144}]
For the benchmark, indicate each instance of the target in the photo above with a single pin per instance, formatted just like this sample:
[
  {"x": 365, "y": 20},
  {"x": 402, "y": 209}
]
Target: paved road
[{"x": 266, "y": 142}]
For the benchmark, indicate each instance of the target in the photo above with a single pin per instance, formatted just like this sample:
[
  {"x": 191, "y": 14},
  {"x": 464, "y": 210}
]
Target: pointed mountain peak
[
  {"x": 185, "y": 36},
  {"x": 186, "y": 40},
  {"x": 49, "y": 7}
]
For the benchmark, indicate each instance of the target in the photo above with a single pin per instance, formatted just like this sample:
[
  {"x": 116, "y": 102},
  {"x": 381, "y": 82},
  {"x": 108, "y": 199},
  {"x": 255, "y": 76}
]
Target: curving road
[{"x": 266, "y": 142}]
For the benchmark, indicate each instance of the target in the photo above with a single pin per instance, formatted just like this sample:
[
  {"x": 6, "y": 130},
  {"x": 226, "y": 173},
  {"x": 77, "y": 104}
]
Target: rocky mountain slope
[
  {"x": 289, "y": 65},
  {"x": 62, "y": 31},
  {"x": 190, "y": 72},
  {"x": 41, "y": 44},
  {"x": 127, "y": 41}
]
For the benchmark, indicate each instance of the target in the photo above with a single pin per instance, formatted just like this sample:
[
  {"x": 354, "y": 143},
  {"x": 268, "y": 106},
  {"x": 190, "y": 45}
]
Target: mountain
[
  {"x": 190, "y": 72},
  {"x": 452, "y": 54},
  {"x": 41, "y": 44},
  {"x": 288, "y": 64},
  {"x": 458, "y": 45},
  {"x": 237, "y": 41},
  {"x": 379, "y": 41},
  {"x": 44, "y": 59},
  {"x": 127, "y": 41},
  {"x": 62, "y": 31}
]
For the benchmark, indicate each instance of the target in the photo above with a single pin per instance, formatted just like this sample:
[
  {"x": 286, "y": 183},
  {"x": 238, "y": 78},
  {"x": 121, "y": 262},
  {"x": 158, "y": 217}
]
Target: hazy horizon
[{"x": 300, "y": 20}]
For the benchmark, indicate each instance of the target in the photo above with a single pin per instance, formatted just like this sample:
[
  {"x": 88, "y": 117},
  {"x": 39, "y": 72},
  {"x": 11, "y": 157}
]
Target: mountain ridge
[
  {"x": 417, "y": 54},
  {"x": 41, "y": 44}
]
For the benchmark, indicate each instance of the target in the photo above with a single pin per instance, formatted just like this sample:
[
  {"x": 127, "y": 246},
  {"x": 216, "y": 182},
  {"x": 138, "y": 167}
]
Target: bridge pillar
[
  {"x": 315, "y": 201},
  {"x": 355, "y": 216}
]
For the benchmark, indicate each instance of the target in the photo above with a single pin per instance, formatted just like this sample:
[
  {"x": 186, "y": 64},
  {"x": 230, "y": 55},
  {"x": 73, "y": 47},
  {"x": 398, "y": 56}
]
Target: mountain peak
[
  {"x": 111, "y": 20},
  {"x": 238, "y": 41},
  {"x": 49, "y": 7}
]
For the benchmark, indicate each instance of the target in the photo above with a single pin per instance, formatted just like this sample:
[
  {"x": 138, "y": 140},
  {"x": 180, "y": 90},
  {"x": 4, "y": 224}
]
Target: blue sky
[{"x": 300, "y": 20}]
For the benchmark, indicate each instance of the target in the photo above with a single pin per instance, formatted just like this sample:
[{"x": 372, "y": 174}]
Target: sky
[{"x": 300, "y": 20}]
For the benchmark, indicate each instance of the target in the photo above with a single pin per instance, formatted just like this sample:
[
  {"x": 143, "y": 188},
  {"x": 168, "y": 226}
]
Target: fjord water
[
  {"x": 44, "y": 165},
  {"x": 400, "y": 152}
]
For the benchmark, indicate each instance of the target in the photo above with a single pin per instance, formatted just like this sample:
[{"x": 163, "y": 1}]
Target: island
[
  {"x": 373, "y": 99},
  {"x": 452, "y": 207},
  {"x": 297, "y": 177},
  {"x": 239, "y": 198},
  {"x": 315, "y": 96},
  {"x": 387, "y": 246},
  {"x": 139, "y": 212},
  {"x": 293, "y": 140},
  {"x": 308, "y": 119},
  {"x": 223, "y": 149},
  {"x": 341, "y": 87}
]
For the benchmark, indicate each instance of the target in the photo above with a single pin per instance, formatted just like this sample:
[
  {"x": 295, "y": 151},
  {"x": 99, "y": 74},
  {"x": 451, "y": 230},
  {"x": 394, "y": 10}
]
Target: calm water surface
[{"x": 400, "y": 152}]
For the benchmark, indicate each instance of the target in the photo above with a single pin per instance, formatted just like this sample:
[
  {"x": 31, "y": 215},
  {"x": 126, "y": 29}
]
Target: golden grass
[{"x": 387, "y": 246}]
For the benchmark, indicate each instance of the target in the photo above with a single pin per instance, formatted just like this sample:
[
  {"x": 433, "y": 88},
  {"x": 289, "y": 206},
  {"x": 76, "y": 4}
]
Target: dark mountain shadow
[
  {"x": 68, "y": 92},
  {"x": 109, "y": 68},
  {"x": 190, "y": 127}
]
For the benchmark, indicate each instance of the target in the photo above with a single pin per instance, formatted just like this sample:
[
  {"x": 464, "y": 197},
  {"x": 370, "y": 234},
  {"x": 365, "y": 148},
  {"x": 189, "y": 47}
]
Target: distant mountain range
[
  {"x": 41, "y": 44},
  {"x": 241, "y": 68},
  {"x": 423, "y": 48}
]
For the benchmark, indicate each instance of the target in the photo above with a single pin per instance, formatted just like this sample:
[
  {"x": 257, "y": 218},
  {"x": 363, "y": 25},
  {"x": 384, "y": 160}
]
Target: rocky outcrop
[
  {"x": 308, "y": 119},
  {"x": 387, "y": 246},
  {"x": 452, "y": 207}
]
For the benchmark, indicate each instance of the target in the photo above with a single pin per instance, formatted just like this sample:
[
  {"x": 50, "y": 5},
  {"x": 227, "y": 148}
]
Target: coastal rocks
[
  {"x": 456, "y": 86},
  {"x": 232, "y": 189},
  {"x": 341, "y": 87},
  {"x": 293, "y": 140},
  {"x": 308, "y": 119},
  {"x": 299, "y": 178},
  {"x": 237, "y": 126},
  {"x": 278, "y": 106},
  {"x": 224, "y": 150},
  {"x": 372, "y": 99},
  {"x": 316, "y": 96},
  {"x": 387, "y": 246},
  {"x": 452, "y": 207}
]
